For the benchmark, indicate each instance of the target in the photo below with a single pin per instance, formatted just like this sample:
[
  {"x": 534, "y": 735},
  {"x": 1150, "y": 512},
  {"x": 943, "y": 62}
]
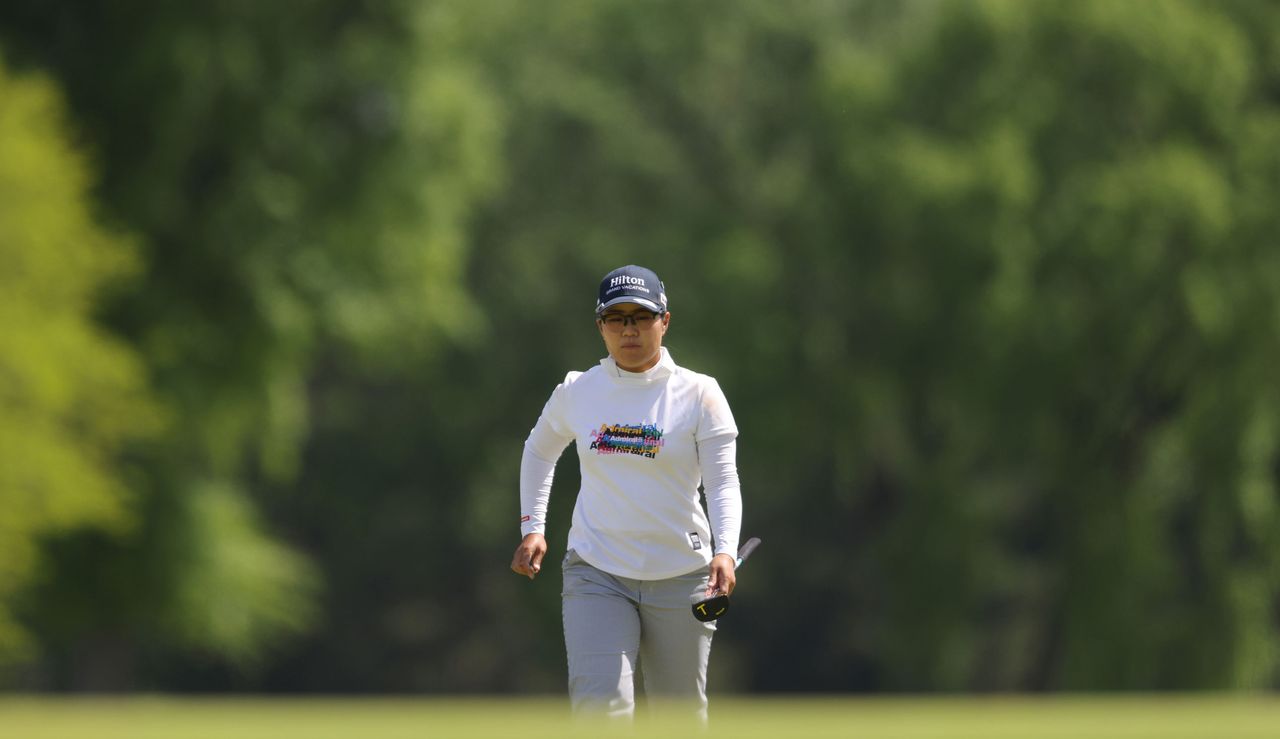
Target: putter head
[{"x": 709, "y": 609}]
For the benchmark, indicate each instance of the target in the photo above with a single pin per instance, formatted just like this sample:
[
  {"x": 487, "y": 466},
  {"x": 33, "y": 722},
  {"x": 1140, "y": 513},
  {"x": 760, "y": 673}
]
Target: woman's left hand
[{"x": 722, "y": 578}]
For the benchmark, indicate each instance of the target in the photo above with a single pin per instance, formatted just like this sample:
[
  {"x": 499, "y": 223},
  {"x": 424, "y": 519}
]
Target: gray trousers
[{"x": 612, "y": 624}]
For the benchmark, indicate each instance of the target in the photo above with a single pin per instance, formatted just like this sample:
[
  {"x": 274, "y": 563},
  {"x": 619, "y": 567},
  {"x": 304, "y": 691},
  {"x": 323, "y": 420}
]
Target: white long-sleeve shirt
[{"x": 645, "y": 443}]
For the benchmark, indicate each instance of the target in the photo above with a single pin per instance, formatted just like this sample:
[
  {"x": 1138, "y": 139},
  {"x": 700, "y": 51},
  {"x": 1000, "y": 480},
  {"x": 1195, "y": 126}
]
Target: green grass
[{"x": 1086, "y": 717}]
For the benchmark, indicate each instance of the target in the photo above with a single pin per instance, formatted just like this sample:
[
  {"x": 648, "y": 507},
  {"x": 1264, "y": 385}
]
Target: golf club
[{"x": 709, "y": 609}]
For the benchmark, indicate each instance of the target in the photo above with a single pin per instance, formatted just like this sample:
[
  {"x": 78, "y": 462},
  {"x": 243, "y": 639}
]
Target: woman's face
[{"x": 635, "y": 345}]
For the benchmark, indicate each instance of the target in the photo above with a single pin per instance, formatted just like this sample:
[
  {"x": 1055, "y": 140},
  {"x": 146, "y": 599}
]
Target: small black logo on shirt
[{"x": 695, "y": 541}]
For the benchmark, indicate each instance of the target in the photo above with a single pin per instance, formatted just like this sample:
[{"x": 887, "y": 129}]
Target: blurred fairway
[{"x": 1199, "y": 716}]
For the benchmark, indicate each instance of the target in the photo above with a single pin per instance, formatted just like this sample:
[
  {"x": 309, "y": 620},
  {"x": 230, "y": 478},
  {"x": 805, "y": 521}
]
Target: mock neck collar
[{"x": 665, "y": 367}]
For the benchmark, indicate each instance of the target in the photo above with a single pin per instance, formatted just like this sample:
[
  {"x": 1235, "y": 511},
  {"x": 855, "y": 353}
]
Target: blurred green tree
[
  {"x": 991, "y": 286},
  {"x": 269, "y": 159},
  {"x": 72, "y": 396},
  {"x": 991, "y": 281},
  {"x": 1069, "y": 317}
]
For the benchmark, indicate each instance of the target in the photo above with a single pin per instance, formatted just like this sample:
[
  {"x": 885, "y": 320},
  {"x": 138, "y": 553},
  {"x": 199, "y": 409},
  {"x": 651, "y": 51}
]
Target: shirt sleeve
[
  {"x": 715, "y": 418},
  {"x": 717, "y": 457},
  {"x": 547, "y": 440}
]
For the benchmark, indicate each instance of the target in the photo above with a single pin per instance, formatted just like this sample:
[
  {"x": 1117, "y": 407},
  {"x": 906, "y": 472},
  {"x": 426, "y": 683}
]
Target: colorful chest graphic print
[{"x": 616, "y": 438}]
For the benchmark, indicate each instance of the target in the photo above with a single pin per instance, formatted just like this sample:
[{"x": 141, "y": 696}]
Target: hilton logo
[{"x": 626, "y": 280}]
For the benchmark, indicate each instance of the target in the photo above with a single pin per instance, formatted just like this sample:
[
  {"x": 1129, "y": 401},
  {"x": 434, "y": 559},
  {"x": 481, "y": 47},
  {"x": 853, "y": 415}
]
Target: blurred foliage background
[{"x": 993, "y": 288}]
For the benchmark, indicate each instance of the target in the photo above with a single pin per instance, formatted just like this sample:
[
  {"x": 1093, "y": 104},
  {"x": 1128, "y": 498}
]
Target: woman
[{"x": 641, "y": 549}]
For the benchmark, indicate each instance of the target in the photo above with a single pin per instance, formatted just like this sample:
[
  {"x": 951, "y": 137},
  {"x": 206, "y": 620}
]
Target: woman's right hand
[{"x": 528, "y": 557}]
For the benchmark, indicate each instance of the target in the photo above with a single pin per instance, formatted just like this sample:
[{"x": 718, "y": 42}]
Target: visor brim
[{"x": 645, "y": 302}]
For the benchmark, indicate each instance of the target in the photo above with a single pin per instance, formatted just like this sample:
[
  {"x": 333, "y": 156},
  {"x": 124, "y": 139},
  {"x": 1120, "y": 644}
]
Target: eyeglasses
[{"x": 642, "y": 320}]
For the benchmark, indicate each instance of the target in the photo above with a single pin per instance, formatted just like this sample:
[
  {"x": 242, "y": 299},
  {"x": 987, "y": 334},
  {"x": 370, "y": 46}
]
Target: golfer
[{"x": 641, "y": 548}]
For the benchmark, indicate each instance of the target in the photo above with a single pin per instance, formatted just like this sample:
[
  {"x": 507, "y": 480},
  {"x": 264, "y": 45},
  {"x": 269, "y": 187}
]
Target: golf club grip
[{"x": 745, "y": 550}]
